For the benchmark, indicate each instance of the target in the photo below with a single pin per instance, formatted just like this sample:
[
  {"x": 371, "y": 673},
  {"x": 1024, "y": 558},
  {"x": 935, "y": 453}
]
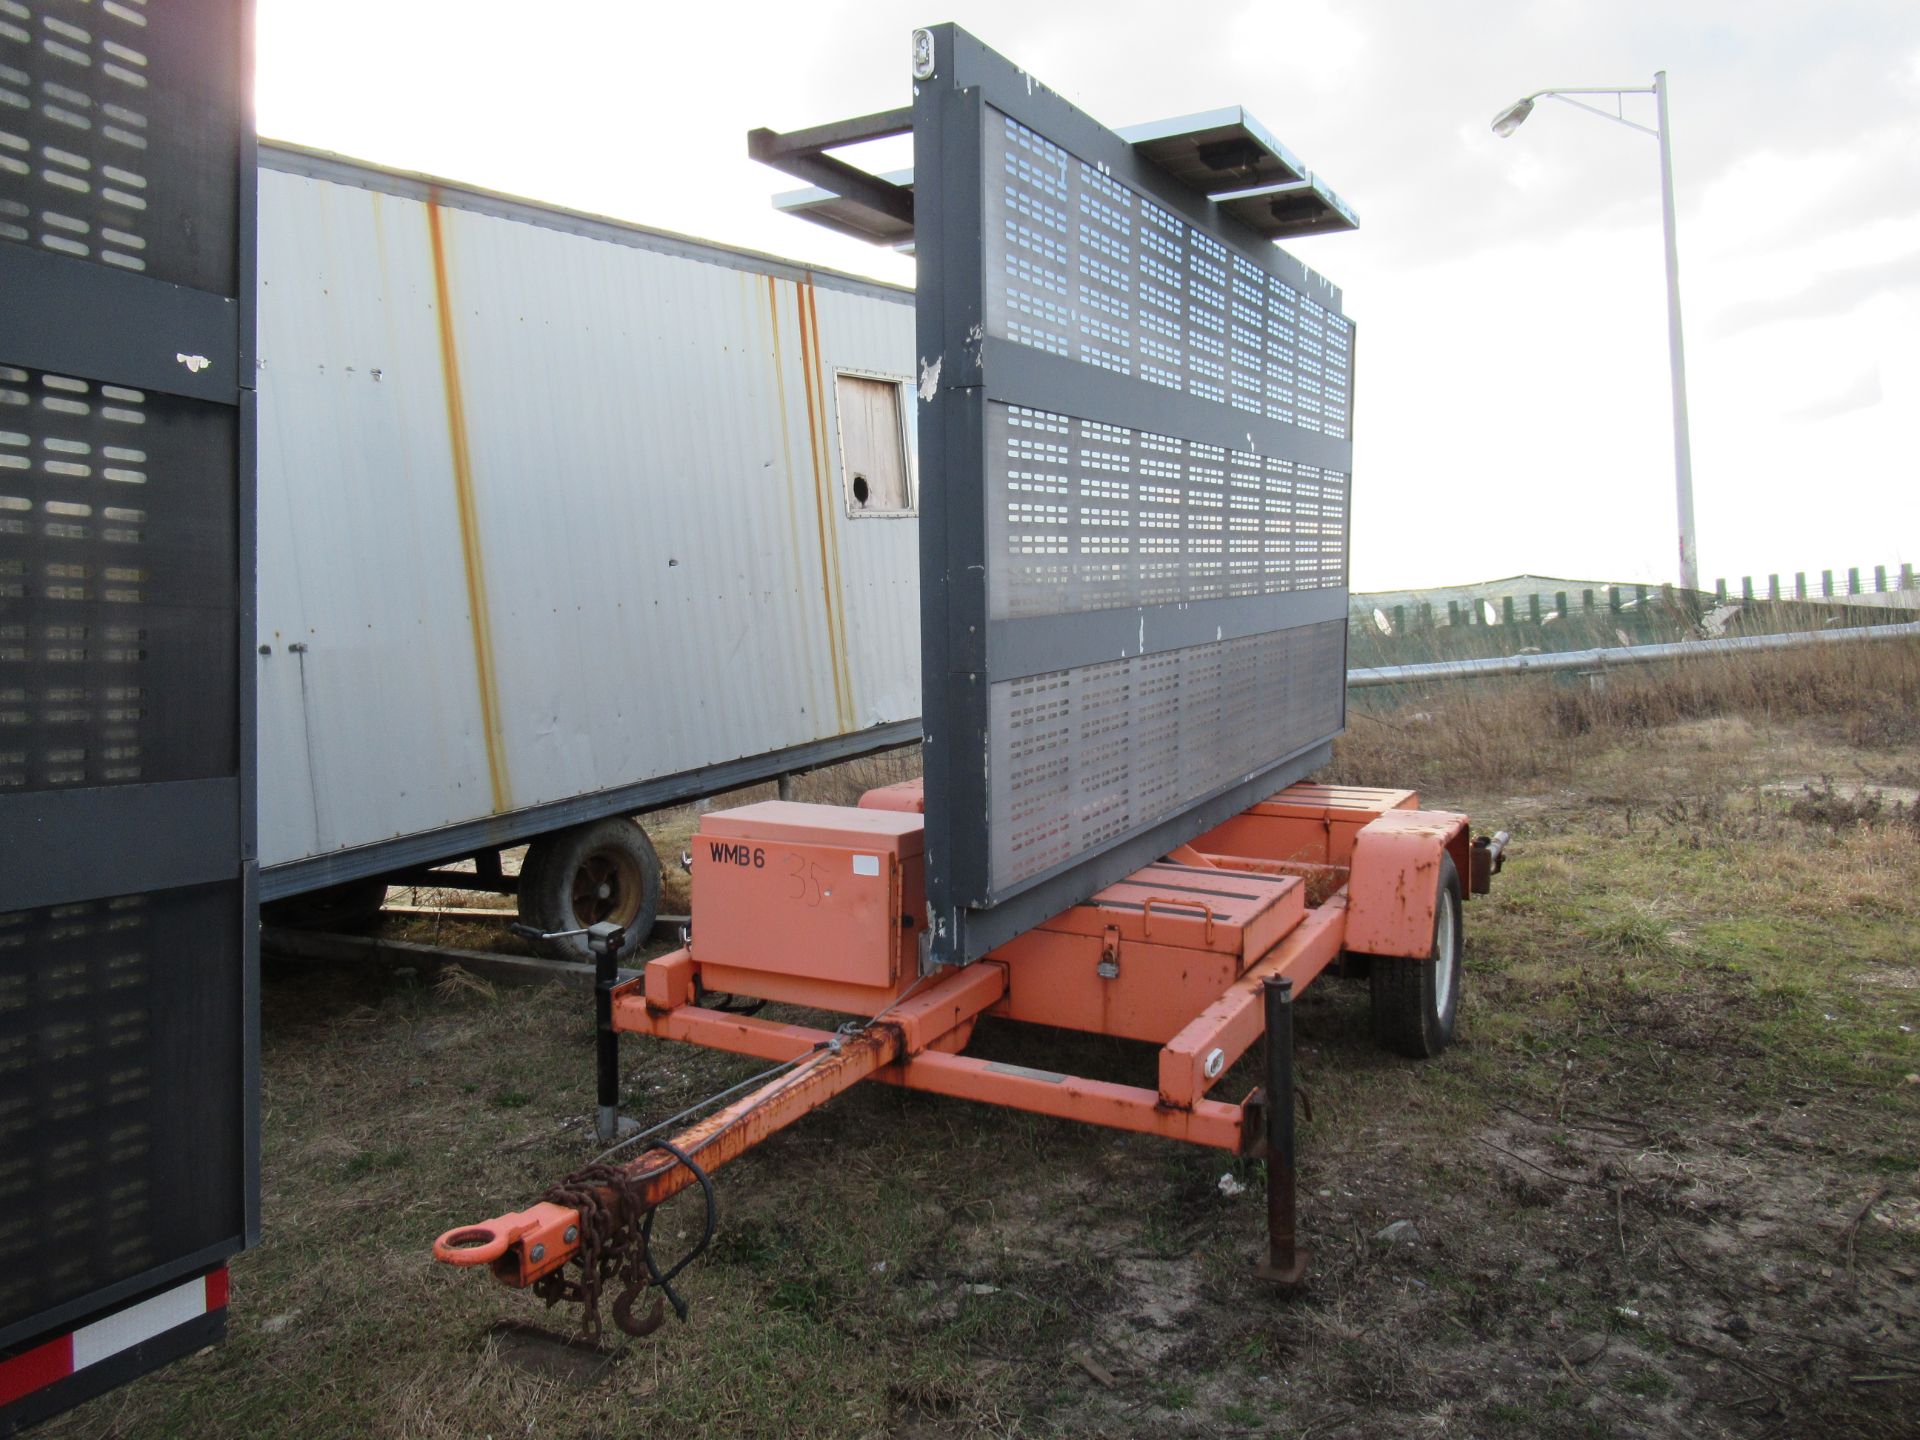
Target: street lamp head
[{"x": 1508, "y": 120}]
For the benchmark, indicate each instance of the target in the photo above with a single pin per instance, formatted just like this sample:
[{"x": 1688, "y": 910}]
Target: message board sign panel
[
  {"x": 128, "y": 924},
  {"x": 1135, "y": 425}
]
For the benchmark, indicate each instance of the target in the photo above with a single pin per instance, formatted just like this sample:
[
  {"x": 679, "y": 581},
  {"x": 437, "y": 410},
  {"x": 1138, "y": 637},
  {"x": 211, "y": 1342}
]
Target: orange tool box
[{"x": 817, "y": 890}]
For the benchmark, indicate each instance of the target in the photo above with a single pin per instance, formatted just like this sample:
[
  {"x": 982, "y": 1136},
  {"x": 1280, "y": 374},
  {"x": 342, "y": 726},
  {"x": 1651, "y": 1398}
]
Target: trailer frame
[{"x": 1279, "y": 893}]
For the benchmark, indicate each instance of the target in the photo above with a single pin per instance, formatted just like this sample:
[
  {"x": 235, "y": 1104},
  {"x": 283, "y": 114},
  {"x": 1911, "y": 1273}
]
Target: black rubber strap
[{"x": 665, "y": 1279}]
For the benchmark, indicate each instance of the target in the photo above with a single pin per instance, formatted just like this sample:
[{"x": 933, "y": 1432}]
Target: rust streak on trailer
[
  {"x": 485, "y": 674},
  {"x": 786, "y": 428},
  {"x": 813, "y": 372},
  {"x": 786, "y": 461}
]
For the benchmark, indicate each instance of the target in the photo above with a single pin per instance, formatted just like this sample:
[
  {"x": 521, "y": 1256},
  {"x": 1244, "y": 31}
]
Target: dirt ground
[{"x": 1664, "y": 1184}]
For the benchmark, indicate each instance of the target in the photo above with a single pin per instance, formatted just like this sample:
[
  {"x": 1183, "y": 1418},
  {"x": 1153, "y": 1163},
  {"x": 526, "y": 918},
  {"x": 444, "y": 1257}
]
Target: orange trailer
[
  {"x": 1201, "y": 953},
  {"x": 1134, "y": 419}
]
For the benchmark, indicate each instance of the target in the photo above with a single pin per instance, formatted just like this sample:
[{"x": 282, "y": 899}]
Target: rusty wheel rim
[{"x": 607, "y": 885}]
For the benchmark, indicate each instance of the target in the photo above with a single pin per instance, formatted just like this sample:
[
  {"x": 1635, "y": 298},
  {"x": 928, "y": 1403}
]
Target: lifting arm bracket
[{"x": 803, "y": 154}]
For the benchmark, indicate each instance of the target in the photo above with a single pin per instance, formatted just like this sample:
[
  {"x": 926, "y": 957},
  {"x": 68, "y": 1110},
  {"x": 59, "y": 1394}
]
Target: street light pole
[
  {"x": 1508, "y": 121},
  {"x": 1682, "y": 441}
]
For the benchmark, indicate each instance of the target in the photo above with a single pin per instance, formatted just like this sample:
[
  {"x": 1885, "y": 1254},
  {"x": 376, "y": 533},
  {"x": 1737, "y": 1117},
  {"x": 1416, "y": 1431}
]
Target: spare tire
[{"x": 603, "y": 870}]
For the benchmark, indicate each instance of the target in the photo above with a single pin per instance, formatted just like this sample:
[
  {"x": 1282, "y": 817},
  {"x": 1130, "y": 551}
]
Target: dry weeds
[{"x": 1496, "y": 734}]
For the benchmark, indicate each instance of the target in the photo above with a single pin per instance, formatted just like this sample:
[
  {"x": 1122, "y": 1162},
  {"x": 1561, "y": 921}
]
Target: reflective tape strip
[
  {"x": 126, "y": 1328},
  {"x": 57, "y": 1359},
  {"x": 42, "y": 1365}
]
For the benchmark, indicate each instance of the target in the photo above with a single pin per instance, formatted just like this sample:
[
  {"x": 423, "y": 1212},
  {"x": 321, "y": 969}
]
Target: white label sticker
[{"x": 866, "y": 864}]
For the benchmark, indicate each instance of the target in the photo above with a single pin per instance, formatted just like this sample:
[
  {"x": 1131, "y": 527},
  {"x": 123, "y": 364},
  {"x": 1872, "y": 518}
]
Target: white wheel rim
[{"x": 1443, "y": 938}]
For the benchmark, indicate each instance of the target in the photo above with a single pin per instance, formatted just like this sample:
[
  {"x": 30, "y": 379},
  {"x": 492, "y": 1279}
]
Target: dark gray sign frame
[
  {"x": 185, "y": 839},
  {"x": 964, "y": 369}
]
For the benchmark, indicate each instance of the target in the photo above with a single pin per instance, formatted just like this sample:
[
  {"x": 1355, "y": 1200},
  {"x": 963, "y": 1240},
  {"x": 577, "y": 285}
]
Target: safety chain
[
  {"x": 607, "y": 1239},
  {"x": 616, "y": 1240},
  {"x": 617, "y": 1245}
]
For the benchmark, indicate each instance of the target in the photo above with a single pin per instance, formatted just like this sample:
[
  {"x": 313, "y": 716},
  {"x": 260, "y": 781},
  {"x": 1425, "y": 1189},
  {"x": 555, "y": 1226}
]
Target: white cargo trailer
[{"x": 560, "y": 519}]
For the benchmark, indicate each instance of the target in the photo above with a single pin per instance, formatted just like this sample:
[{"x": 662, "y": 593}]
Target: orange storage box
[{"x": 823, "y": 891}]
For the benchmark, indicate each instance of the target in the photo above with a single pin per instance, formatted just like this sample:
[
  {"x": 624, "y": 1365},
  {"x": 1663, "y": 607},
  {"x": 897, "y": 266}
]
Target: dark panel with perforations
[
  {"x": 1136, "y": 433},
  {"x": 128, "y": 1117}
]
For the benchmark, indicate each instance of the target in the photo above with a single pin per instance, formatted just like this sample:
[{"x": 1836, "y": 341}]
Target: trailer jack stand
[
  {"x": 1286, "y": 1263},
  {"x": 605, "y": 939}
]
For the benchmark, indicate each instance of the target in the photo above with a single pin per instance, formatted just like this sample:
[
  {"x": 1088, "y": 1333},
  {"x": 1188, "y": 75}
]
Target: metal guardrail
[{"x": 1617, "y": 655}]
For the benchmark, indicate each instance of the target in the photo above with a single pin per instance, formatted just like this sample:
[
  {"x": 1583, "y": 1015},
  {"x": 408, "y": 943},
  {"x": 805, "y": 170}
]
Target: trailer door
[{"x": 128, "y": 1127}]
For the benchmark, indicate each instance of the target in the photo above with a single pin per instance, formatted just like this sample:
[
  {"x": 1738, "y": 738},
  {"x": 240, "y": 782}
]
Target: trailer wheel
[
  {"x": 351, "y": 905},
  {"x": 1415, "y": 1002},
  {"x": 606, "y": 870}
]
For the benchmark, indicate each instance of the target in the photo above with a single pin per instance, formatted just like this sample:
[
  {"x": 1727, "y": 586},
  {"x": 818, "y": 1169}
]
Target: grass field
[{"x": 1663, "y": 1185}]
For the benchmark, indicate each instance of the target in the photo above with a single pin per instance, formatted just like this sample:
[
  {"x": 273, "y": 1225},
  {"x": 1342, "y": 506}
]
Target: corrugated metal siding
[{"x": 551, "y": 515}]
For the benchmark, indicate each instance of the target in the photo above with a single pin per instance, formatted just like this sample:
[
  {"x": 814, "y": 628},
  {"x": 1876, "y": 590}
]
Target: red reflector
[{"x": 217, "y": 1289}]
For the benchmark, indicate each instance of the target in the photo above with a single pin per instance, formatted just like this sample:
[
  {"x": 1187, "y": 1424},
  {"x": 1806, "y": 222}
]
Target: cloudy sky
[{"x": 1513, "y": 404}]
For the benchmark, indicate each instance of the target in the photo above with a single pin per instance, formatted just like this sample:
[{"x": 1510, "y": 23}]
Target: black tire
[
  {"x": 353, "y": 905},
  {"x": 605, "y": 870},
  {"x": 1415, "y": 1002}
]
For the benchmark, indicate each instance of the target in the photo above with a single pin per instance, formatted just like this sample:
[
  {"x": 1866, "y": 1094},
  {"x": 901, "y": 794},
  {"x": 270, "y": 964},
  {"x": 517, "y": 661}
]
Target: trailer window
[{"x": 876, "y": 462}]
